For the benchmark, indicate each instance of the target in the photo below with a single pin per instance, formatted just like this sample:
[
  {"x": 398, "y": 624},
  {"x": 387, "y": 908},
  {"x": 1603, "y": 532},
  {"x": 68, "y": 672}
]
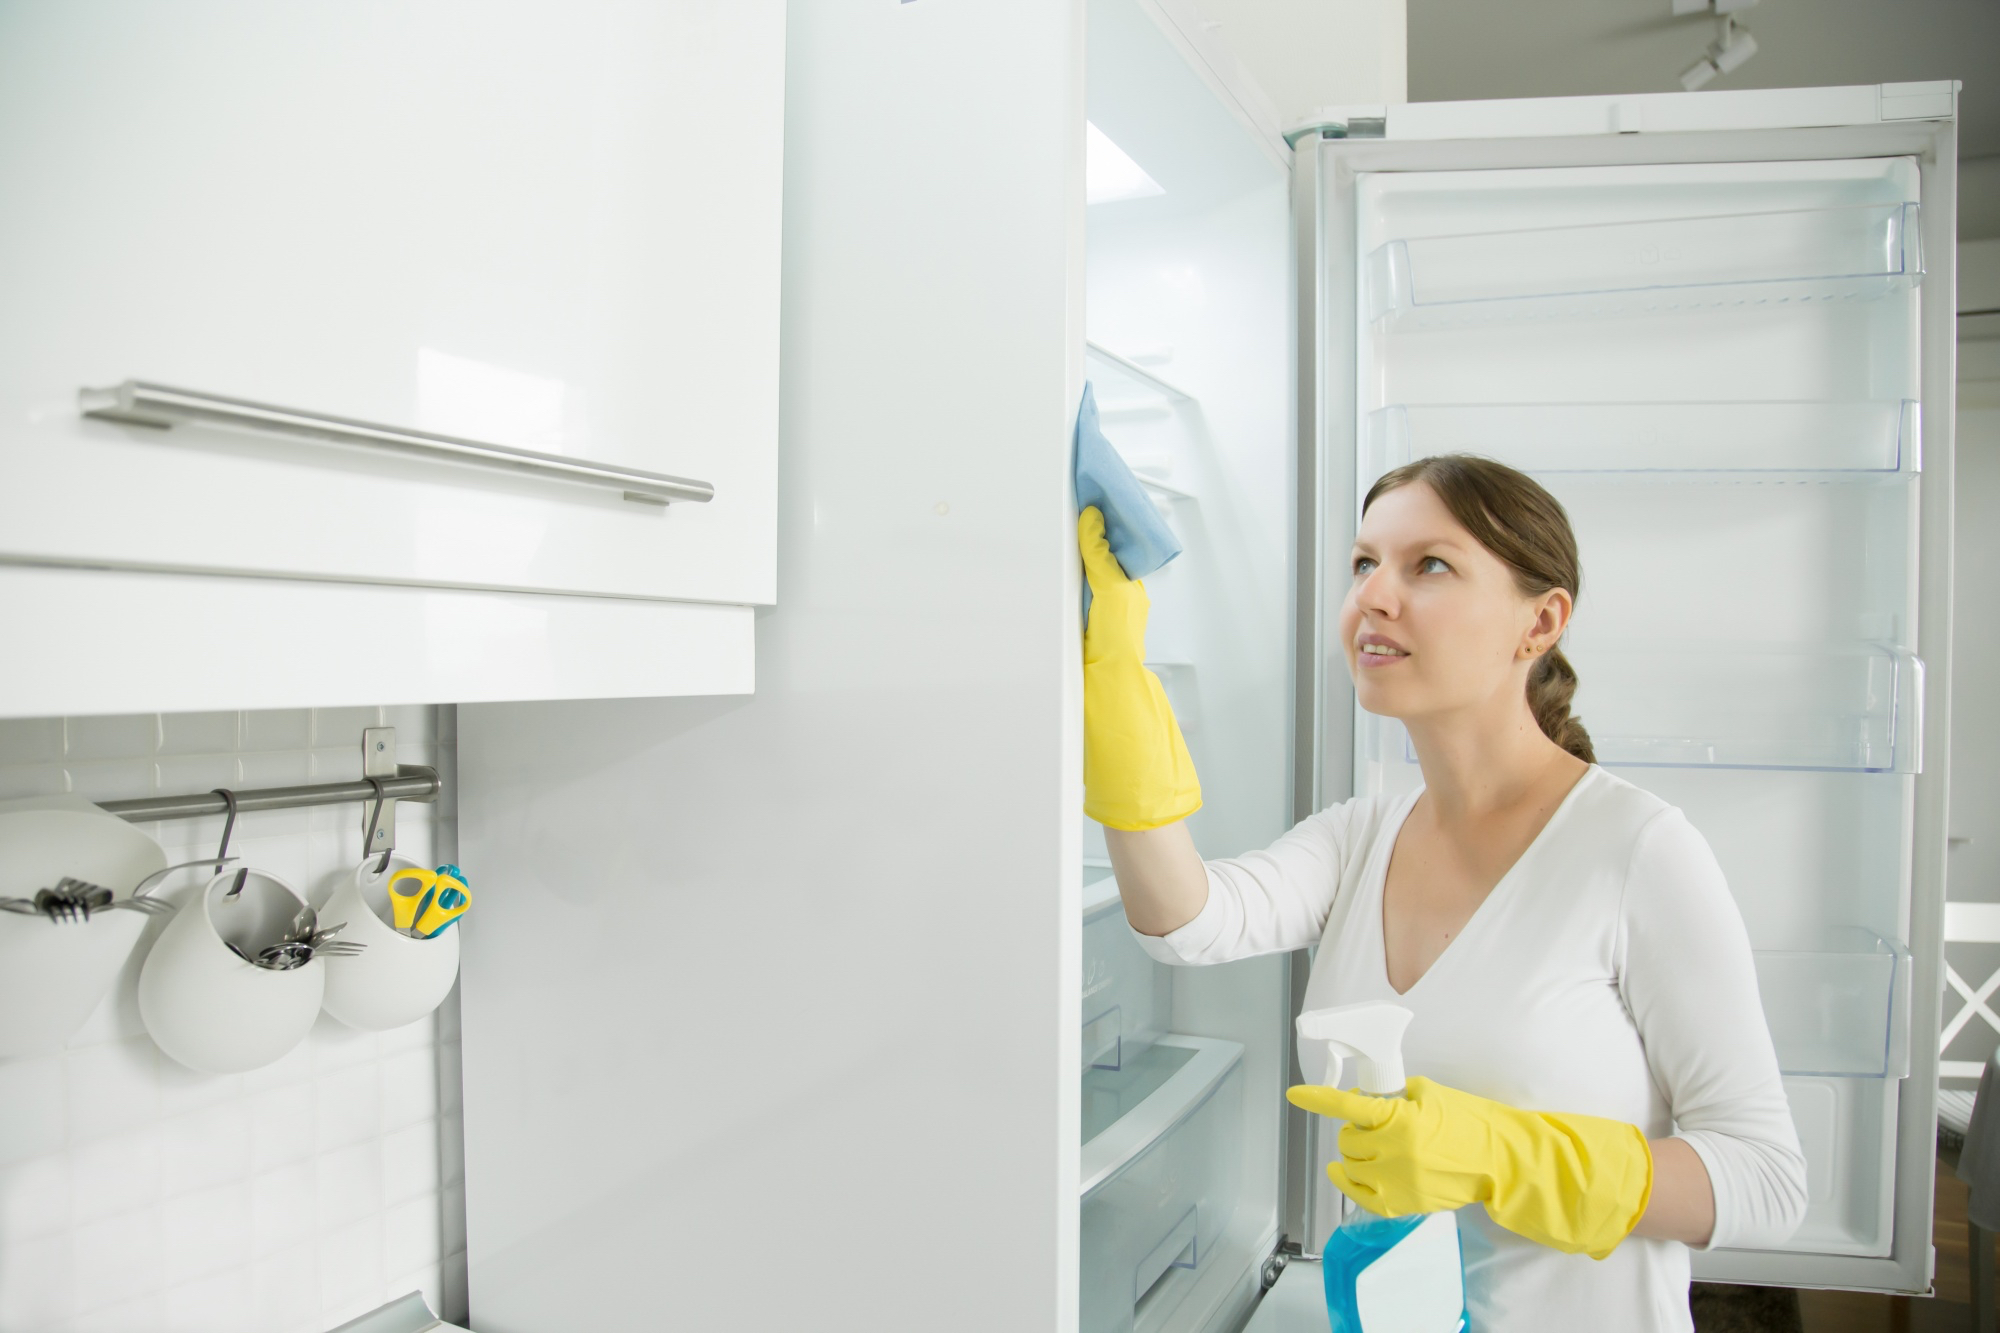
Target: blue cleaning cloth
[{"x": 1139, "y": 537}]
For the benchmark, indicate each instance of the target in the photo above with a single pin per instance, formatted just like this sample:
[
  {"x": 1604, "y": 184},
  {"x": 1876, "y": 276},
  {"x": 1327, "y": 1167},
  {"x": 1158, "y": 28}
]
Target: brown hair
[{"x": 1510, "y": 514}]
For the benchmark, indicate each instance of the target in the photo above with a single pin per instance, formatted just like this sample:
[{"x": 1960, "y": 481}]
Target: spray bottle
[{"x": 1383, "y": 1274}]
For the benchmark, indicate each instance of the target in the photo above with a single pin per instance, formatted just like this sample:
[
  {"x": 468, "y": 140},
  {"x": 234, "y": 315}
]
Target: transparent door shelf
[
  {"x": 1839, "y": 1012},
  {"x": 1858, "y": 711},
  {"x": 1159, "y": 1183},
  {"x": 1127, "y": 388},
  {"x": 1626, "y": 268},
  {"x": 1131, "y": 396},
  {"x": 1838, "y": 710},
  {"x": 1868, "y": 438}
]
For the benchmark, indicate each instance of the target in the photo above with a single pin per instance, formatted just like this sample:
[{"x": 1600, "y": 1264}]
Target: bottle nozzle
[{"x": 1370, "y": 1033}]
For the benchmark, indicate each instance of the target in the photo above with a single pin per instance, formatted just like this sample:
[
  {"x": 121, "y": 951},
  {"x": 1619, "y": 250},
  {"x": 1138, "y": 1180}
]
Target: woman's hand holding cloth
[
  {"x": 1136, "y": 769},
  {"x": 1576, "y": 1183}
]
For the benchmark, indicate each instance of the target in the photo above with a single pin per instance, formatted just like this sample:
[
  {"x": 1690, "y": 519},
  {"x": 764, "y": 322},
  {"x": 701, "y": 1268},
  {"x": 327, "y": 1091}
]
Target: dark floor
[{"x": 1719, "y": 1309}]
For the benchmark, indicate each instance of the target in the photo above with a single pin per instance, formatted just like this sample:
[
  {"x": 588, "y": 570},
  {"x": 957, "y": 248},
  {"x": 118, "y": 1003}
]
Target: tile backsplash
[{"x": 137, "y": 1195}]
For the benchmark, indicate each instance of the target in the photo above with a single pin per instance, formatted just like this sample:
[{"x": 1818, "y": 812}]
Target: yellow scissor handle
[{"x": 409, "y": 890}]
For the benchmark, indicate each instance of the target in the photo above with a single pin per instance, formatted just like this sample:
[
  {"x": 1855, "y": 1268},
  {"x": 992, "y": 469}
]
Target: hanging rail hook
[
  {"x": 222, "y": 851},
  {"x": 368, "y": 840}
]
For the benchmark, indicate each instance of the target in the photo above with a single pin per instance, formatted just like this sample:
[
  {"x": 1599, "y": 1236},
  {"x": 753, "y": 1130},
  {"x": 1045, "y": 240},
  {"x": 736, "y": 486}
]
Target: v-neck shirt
[
  {"x": 1607, "y": 973},
  {"x": 1383, "y": 855}
]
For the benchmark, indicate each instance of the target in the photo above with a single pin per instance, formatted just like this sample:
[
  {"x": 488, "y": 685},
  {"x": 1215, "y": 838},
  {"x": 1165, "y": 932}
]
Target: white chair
[{"x": 1969, "y": 923}]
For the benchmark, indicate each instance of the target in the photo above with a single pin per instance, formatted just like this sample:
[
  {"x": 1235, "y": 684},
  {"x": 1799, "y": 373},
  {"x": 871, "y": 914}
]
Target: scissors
[{"x": 426, "y": 902}]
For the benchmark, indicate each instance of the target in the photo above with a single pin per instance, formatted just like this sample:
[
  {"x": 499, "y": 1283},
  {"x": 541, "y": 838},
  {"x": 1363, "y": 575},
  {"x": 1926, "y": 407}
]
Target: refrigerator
[{"x": 817, "y": 1004}]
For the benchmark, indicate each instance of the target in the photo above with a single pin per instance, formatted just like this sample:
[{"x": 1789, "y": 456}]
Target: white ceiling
[
  {"x": 1461, "y": 49},
  {"x": 1309, "y": 53}
]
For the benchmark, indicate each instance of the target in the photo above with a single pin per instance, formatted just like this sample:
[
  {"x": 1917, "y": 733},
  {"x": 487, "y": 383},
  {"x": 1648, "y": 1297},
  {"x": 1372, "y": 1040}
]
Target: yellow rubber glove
[
  {"x": 1576, "y": 1183},
  {"x": 1136, "y": 769}
]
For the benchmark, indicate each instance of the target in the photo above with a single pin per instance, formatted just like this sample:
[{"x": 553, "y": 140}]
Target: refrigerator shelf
[
  {"x": 1864, "y": 439},
  {"x": 1840, "y": 1011},
  {"x": 1796, "y": 257}
]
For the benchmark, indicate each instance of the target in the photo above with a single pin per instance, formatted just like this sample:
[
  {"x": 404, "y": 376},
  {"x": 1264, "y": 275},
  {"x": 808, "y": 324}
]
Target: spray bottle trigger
[{"x": 1371, "y": 1033}]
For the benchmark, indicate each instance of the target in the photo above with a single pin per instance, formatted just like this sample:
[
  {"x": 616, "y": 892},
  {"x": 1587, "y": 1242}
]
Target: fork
[{"x": 73, "y": 900}]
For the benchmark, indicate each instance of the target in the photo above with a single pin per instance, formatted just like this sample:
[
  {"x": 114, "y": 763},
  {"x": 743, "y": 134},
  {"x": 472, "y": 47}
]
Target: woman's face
[{"x": 1433, "y": 622}]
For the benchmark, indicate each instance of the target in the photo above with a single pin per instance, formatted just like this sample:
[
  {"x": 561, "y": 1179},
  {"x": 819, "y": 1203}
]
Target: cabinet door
[
  {"x": 546, "y": 227},
  {"x": 765, "y": 1017}
]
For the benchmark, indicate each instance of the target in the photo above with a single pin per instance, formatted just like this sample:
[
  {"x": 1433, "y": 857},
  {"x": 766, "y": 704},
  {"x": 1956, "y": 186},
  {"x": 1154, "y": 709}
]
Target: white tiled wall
[{"x": 137, "y": 1195}]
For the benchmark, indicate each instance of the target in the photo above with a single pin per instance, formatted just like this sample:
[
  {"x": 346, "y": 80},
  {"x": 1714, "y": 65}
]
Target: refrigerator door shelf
[
  {"x": 1159, "y": 1189},
  {"x": 1151, "y": 420},
  {"x": 1847, "y": 1128},
  {"x": 1839, "y": 1013},
  {"x": 1833, "y": 711},
  {"x": 1799, "y": 256},
  {"x": 1127, "y": 997},
  {"x": 1854, "y": 710},
  {"x": 1828, "y": 440},
  {"x": 1169, "y": 1090},
  {"x": 1127, "y": 388}
]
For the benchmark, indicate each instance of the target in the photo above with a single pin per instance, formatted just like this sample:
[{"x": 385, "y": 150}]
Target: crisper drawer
[
  {"x": 341, "y": 233},
  {"x": 1159, "y": 1182}
]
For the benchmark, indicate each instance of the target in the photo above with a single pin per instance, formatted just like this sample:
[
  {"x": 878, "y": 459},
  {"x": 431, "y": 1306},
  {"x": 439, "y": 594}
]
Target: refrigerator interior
[
  {"x": 1715, "y": 368},
  {"x": 1188, "y": 273}
]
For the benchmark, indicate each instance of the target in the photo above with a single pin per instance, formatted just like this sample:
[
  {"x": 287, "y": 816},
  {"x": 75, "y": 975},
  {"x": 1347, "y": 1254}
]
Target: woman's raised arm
[{"x": 1160, "y": 877}]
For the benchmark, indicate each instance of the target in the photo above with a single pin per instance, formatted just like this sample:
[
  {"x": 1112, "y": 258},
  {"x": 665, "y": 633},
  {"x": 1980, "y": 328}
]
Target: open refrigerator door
[
  {"x": 1718, "y": 328},
  {"x": 1188, "y": 351}
]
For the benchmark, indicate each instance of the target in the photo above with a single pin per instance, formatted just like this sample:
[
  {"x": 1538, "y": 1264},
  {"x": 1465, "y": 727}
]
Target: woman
[{"x": 1598, "y": 1089}]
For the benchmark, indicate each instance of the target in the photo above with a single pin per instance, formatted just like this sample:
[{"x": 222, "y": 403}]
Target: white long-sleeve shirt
[{"x": 1608, "y": 973}]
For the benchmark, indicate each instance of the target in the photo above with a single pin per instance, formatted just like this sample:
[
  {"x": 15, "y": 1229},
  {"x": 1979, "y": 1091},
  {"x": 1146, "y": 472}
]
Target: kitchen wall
[{"x": 137, "y": 1195}]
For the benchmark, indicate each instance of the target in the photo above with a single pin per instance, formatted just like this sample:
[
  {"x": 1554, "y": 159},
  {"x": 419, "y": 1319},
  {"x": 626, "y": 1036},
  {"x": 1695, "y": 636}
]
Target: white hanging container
[
  {"x": 54, "y": 974},
  {"x": 208, "y": 1006},
  {"x": 397, "y": 979}
]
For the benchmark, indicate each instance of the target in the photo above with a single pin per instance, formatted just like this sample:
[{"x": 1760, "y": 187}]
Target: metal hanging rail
[{"x": 412, "y": 782}]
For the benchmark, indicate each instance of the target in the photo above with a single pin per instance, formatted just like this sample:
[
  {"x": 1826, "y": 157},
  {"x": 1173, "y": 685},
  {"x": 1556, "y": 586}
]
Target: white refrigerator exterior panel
[
  {"x": 1833, "y": 835},
  {"x": 548, "y": 228},
  {"x": 771, "y": 1006}
]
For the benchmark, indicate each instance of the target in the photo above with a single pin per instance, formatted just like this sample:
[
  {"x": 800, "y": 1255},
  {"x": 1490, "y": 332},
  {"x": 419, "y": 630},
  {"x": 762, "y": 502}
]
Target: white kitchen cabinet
[{"x": 552, "y": 228}]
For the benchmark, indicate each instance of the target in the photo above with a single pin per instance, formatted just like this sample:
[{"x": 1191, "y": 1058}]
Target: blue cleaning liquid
[{"x": 1394, "y": 1275}]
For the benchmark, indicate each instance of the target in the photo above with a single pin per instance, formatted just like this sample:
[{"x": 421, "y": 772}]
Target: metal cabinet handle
[{"x": 138, "y": 403}]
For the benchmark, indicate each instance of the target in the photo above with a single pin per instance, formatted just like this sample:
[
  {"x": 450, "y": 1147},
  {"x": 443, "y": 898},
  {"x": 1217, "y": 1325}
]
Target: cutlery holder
[
  {"x": 397, "y": 979},
  {"x": 52, "y": 976},
  {"x": 214, "y": 1010}
]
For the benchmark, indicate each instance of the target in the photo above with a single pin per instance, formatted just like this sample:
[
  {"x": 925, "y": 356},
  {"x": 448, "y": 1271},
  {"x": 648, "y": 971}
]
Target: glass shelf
[
  {"x": 1869, "y": 439},
  {"x": 1840, "y": 1011},
  {"x": 1654, "y": 267},
  {"x": 1854, "y": 711}
]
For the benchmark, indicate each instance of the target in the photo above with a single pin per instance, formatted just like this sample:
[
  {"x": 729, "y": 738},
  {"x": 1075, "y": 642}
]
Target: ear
[{"x": 1551, "y": 617}]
